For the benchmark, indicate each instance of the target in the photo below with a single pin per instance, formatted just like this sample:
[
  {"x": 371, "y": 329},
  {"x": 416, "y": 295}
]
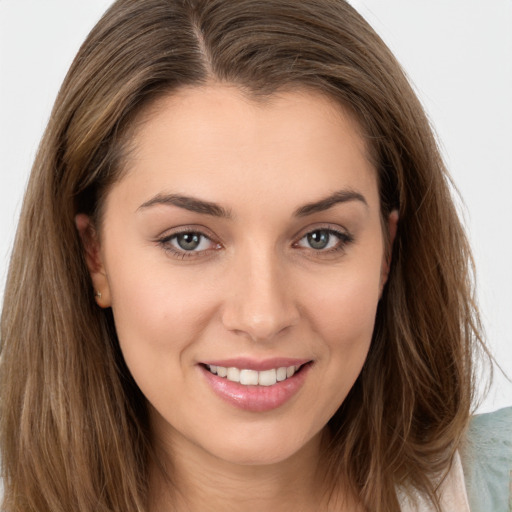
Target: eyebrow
[
  {"x": 188, "y": 203},
  {"x": 341, "y": 196},
  {"x": 208, "y": 208}
]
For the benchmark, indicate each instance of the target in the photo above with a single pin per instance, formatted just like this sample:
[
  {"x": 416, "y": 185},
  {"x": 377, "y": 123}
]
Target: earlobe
[
  {"x": 392, "y": 227},
  {"x": 93, "y": 258}
]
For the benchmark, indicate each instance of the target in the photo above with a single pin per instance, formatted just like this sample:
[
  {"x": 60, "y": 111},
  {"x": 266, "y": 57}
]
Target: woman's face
[{"x": 244, "y": 239}]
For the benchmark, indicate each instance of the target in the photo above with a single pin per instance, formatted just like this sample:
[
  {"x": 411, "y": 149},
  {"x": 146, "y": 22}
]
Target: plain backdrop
[{"x": 457, "y": 53}]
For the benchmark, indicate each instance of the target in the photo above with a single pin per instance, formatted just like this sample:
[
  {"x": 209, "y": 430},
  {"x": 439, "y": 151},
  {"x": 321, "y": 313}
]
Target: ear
[
  {"x": 392, "y": 226},
  {"x": 93, "y": 258}
]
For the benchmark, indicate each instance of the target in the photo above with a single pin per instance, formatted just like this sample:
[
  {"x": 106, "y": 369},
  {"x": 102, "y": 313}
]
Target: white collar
[{"x": 452, "y": 493}]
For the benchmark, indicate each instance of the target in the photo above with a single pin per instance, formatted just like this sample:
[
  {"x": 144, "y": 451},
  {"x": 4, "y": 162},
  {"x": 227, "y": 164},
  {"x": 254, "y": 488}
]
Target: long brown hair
[{"x": 74, "y": 431}]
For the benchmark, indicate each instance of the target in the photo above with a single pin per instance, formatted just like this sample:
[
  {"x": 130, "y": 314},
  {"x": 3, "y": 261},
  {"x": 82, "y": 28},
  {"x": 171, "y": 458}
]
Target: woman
[{"x": 239, "y": 281}]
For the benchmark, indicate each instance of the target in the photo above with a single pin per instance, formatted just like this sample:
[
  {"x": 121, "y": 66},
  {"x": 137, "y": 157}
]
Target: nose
[{"x": 260, "y": 302}]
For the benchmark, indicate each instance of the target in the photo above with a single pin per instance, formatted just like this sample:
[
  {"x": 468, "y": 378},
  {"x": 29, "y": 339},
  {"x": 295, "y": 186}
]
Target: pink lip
[
  {"x": 255, "y": 398},
  {"x": 259, "y": 366}
]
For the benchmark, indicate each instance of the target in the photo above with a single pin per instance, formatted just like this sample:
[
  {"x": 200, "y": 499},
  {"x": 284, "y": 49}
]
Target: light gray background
[{"x": 458, "y": 54}]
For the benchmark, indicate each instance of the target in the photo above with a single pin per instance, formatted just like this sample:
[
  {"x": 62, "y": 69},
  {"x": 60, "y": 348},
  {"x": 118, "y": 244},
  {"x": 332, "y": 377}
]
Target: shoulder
[{"x": 487, "y": 461}]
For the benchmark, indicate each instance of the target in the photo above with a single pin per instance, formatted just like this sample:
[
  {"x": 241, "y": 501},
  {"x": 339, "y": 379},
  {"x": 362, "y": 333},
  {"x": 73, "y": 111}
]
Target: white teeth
[
  {"x": 253, "y": 377},
  {"x": 281, "y": 374},
  {"x": 267, "y": 378},
  {"x": 249, "y": 377},
  {"x": 234, "y": 374}
]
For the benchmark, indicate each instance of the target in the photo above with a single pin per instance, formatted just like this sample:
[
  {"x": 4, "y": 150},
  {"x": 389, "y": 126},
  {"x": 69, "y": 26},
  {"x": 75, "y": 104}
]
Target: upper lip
[{"x": 257, "y": 364}]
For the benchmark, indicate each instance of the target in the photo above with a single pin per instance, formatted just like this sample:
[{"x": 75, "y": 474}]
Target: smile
[
  {"x": 248, "y": 377},
  {"x": 256, "y": 386}
]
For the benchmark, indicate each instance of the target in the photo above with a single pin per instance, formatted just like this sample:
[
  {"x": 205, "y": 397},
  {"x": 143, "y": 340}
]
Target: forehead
[
  {"x": 224, "y": 105},
  {"x": 213, "y": 139}
]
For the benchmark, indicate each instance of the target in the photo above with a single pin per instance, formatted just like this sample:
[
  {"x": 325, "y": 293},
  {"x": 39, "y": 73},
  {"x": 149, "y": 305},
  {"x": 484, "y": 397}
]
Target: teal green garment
[{"x": 487, "y": 462}]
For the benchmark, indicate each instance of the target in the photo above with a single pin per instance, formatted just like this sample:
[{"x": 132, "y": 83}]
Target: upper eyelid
[
  {"x": 333, "y": 228},
  {"x": 200, "y": 230}
]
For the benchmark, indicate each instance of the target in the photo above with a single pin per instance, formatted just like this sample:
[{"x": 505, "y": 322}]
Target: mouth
[
  {"x": 248, "y": 377},
  {"x": 256, "y": 389}
]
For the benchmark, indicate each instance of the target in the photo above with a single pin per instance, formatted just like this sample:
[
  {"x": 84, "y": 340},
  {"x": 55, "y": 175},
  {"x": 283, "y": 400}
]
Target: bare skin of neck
[{"x": 204, "y": 482}]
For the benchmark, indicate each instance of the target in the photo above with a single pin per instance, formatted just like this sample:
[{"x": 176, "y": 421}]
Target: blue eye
[
  {"x": 319, "y": 239},
  {"x": 190, "y": 241},
  {"x": 324, "y": 240},
  {"x": 187, "y": 243}
]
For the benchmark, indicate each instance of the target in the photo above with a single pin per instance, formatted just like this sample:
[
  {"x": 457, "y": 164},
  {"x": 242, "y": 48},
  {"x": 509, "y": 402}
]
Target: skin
[{"x": 255, "y": 287}]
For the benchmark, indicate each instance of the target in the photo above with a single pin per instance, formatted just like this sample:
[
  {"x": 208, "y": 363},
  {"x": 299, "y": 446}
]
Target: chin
[{"x": 263, "y": 449}]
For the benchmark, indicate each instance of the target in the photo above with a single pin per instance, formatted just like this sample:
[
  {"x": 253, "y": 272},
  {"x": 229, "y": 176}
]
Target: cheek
[
  {"x": 344, "y": 307},
  {"x": 159, "y": 313},
  {"x": 342, "y": 312}
]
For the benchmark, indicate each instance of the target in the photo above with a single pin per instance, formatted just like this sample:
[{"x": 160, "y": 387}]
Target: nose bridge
[{"x": 260, "y": 303}]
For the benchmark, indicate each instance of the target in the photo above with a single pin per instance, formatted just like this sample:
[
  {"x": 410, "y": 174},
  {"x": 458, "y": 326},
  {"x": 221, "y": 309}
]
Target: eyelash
[
  {"x": 344, "y": 239},
  {"x": 166, "y": 243}
]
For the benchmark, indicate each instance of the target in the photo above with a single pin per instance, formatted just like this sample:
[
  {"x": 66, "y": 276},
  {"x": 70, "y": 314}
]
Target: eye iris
[
  {"x": 188, "y": 241},
  {"x": 318, "y": 239}
]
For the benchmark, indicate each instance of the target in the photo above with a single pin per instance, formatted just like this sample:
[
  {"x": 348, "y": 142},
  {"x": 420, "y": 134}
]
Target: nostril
[
  {"x": 260, "y": 303},
  {"x": 258, "y": 326},
  {"x": 261, "y": 331}
]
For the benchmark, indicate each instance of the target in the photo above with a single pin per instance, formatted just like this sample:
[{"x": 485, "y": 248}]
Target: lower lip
[{"x": 256, "y": 398}]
